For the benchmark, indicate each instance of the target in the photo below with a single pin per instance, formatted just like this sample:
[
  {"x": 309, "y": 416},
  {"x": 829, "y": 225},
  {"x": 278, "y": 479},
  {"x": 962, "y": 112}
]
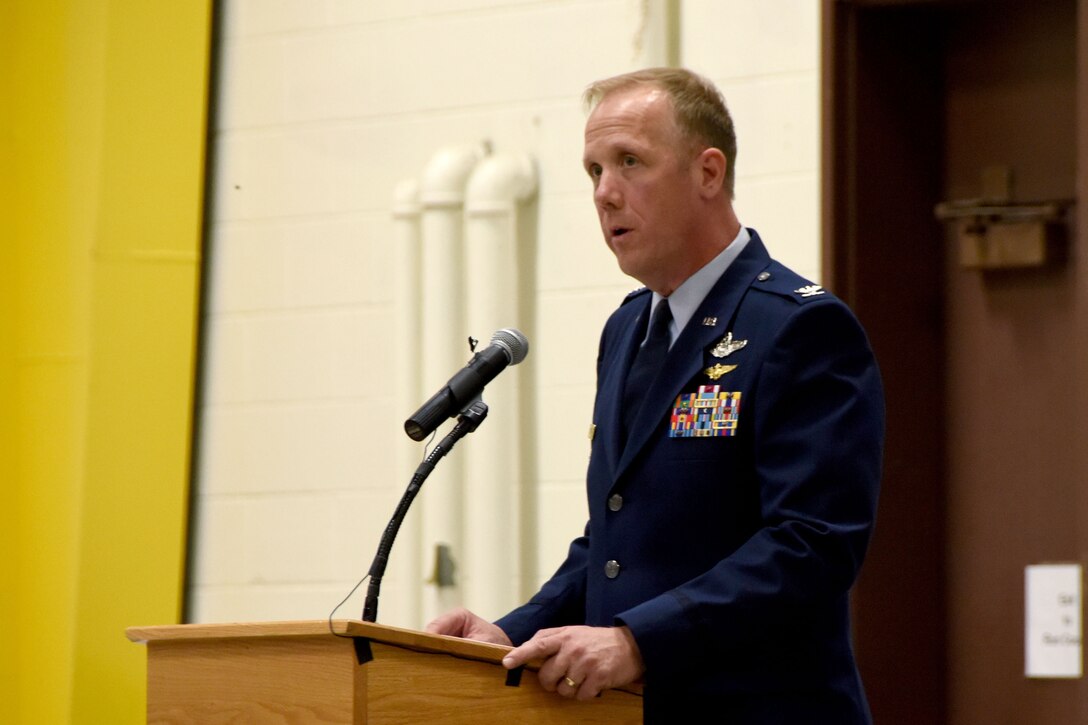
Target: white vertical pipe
[
  {"x": 445, "y": 350},
  {"x": 657, "y": 40},
  {"x": 492, "y": 459},
  {"x": 401, "y": 596}
]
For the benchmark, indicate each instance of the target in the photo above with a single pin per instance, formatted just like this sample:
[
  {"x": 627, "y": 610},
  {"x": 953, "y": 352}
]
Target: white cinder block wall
[{"x": 324, "y": 107}]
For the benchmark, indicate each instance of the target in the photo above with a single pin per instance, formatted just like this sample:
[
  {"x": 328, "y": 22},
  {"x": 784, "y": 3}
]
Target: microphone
[{"x": 508, "y": 347}]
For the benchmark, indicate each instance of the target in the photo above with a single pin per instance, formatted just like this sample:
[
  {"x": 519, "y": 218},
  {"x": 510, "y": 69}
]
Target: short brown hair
[{"x": 698, "y": 108}]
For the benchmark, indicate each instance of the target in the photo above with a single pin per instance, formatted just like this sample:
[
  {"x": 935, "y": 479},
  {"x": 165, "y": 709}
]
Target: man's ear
[{"x": 711, "y": 165}]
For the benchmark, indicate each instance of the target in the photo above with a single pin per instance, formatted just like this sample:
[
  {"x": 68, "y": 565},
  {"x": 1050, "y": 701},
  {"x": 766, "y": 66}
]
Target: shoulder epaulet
[
  {"x": 784, "y": 282},
  {"x": 634, "y": 295}
]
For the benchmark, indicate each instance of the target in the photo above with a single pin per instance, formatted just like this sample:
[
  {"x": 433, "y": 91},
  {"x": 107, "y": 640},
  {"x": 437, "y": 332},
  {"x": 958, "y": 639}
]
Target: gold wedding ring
[{"x": 570, "y": 682}]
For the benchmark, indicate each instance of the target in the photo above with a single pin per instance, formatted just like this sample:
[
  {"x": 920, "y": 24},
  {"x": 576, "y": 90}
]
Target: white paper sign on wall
[{"x": 1052, "y": 644}]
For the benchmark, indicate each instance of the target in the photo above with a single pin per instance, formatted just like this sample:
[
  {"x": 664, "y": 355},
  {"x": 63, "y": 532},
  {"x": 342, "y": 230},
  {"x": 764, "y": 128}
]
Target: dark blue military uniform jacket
[{"x": 729, "y": 528}]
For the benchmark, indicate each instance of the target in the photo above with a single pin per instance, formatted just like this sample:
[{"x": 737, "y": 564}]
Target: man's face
[{"x": 644, "y": 185}]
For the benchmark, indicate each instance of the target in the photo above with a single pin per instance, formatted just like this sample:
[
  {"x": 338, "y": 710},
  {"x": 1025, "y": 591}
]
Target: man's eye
[
  {"x": 594, "y": 170},
  {"x": 629, "y": 161}
]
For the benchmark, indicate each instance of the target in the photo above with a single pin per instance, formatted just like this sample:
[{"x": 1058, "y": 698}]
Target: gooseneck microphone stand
[{"x": 468, "y": 421}]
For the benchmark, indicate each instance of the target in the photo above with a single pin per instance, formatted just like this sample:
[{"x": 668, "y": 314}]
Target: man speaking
[{"x": 736, "y": 448}]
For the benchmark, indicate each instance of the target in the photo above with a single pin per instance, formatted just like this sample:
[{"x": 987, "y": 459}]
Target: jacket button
[
  {"x": 615, "y": 502},
  {"x": 612, "y": 569}
]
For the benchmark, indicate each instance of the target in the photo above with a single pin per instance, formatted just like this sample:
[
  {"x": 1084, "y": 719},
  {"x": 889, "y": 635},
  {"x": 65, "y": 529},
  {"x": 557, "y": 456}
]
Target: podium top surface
[{"x": 407, "y": 638}]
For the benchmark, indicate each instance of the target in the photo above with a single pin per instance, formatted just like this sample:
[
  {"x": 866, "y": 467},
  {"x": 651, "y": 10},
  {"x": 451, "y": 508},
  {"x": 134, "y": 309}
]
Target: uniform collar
[{"x": 688, "y": 296}]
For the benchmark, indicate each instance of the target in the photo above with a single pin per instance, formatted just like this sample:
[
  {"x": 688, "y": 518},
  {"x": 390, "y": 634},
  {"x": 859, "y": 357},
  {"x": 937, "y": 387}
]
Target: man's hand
[
  {"x": 463, "y": 623},
  {"x": 593, "y": 658}
]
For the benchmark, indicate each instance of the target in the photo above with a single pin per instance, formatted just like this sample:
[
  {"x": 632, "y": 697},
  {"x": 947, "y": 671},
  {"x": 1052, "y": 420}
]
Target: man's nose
[{"x": 608, "y": 192}]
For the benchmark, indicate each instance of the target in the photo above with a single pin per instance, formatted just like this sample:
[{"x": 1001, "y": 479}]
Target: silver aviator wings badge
[{"x": 727, "y": 346}]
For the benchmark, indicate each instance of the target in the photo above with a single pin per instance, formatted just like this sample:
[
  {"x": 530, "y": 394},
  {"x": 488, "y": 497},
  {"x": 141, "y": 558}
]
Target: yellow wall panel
[
  {"x": 51, "y": 140},
  {"x": 105, "y": 106},
  {"x": 9, "y": 462}
]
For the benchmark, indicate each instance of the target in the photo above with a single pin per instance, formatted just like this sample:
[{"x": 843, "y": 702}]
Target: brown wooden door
[{"x": 987, "y": 382}]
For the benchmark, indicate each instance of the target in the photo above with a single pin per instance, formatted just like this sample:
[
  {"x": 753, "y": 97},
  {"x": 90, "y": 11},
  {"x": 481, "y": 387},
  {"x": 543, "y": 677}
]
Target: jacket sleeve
[{"x": 561, "y": 600}]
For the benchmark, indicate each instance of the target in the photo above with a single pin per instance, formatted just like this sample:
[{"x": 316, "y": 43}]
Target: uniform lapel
[
  {"x": 611, "y": 394},
  {"x": 686, "y": 356}
]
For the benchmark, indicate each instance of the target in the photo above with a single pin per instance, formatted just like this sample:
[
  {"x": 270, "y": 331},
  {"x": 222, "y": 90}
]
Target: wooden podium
[{"x": 349, "y": 672}]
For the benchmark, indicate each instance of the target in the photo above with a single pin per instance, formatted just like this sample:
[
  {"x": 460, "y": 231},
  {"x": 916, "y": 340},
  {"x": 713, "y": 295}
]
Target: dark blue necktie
[{"x": 647, "y": 364}]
